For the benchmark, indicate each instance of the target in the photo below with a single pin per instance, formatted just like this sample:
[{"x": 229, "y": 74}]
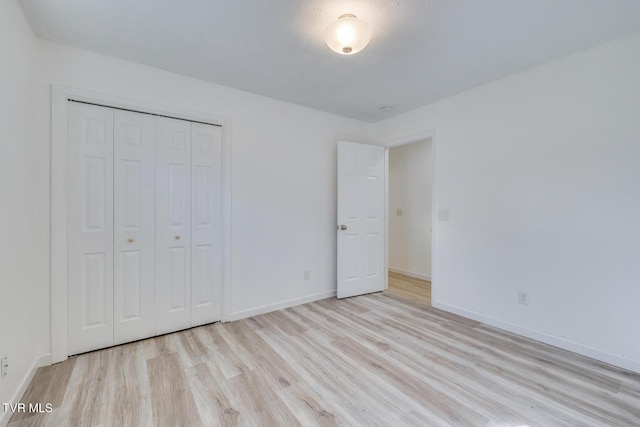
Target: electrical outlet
[
  {"x": 523, "y": 297},
  {"x": 307, "y": 275},
  {"x": 399, "y": 212},
  {"x": 4, "y": 367}
]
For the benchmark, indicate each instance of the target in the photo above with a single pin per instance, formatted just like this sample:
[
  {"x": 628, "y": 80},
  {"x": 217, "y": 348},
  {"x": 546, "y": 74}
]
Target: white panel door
[
  {"x": 134, "y": 226},
  {"x": 173, "y": 225},
  {"x": 360, "y": 219},
  {"x": 90, "y": 227},
  {"x": 206, "y": 224}
]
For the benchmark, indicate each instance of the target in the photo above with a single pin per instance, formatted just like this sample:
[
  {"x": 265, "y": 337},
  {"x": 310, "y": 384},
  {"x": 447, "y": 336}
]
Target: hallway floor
[{"x": 410, "y": 288}]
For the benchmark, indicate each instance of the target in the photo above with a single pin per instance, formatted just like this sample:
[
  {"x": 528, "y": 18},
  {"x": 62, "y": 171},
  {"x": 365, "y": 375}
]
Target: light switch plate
[{"x": 443, "y": 215}]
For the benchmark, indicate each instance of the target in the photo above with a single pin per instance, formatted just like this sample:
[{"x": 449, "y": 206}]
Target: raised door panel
[
  {"x": 134, "y": 226},
  {"x": 206, "y": 232},
  {"x": 90, "y": 227},
  {"x": 173, "y": 225}
]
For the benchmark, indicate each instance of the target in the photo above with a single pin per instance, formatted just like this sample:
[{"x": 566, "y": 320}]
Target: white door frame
[
  {"x": 60, "y": 95},
  {"x": 418, "y": 137}
]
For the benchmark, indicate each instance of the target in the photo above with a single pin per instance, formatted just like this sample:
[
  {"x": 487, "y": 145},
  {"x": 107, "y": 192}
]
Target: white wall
[
  {"x": 283, "y": 184},
  {"x": 541, "y": 174},
  {"x": 410, "y": 190},
  {"x": 283, "y": 171},
  {"x": 19, "y": 228}
]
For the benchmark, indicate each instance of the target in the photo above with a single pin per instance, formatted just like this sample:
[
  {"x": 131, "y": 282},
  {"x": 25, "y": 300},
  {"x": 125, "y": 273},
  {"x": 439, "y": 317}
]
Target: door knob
[
  {"x": 177, "y": 237},
  {"x": 343, "y": 227},
  {"x": 130, "y": 240}
]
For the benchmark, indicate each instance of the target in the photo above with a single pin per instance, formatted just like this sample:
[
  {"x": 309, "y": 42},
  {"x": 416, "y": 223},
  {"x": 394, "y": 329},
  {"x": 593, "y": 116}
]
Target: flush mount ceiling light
[{"x": 347, "y": 35}]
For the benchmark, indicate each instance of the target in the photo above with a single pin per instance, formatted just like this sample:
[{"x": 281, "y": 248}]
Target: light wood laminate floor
[
  {"x": 410, "y": 287},
  {"x": 375, "y": 360}
]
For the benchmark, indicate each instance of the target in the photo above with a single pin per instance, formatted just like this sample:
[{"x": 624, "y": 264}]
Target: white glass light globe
[{"x": 347, "y": 35}]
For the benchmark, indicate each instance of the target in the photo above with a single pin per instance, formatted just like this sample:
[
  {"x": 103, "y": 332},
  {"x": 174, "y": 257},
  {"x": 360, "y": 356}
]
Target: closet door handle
[
  {"x": 177, "y": 237},
  {"x": 130, "y": 240}
]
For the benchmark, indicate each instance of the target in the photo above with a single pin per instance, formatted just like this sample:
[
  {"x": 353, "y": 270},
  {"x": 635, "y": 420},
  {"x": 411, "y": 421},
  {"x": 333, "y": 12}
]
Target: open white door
[{"x": 360, "y": 219}]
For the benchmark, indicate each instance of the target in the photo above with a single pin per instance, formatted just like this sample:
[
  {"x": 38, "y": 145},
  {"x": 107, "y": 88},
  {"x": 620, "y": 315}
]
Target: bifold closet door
[
  {"x": 134, "y": 226},
  {"x": 144, "y": 225},
  {"x": 90, "y": 227},
  {"x": 173, "y": 225},
  {"x": 206, "y": 229},
  {"x": 188, "y": 224}
]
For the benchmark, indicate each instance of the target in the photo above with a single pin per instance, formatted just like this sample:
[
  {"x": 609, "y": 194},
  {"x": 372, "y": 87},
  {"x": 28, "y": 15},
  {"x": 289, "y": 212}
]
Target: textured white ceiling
[{"x": 421, "y": 50}]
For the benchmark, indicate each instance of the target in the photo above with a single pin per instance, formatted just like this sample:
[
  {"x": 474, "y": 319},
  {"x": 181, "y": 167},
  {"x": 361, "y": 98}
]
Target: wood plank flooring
[
  {"x": 410, "y": 287},
  {"x": 375, "y": 360}
]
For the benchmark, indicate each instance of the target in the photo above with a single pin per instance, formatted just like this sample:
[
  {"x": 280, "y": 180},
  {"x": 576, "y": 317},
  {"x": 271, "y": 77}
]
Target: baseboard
[
  {"x": 594, "y": 353},
  {"x": 410, "y": 273},
  {"x": 279, "y": 306},
  {"x": 43, "y": 360}
]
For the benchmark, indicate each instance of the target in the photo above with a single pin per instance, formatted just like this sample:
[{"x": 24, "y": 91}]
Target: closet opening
[{"x": 140, "y": 214}]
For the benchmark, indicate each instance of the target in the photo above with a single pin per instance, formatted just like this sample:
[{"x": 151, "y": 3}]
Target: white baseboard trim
[
  {"x": 279, "y": 306},
  {"x": 43, "y": 360},
  {"x": 594, "y": 353},
  {"x": 410, "y": 273}
]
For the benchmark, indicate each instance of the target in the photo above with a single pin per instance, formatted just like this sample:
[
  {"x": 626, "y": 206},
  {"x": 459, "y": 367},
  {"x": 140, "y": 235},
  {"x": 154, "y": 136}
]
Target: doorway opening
[{"x": 409, "y": 229}]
